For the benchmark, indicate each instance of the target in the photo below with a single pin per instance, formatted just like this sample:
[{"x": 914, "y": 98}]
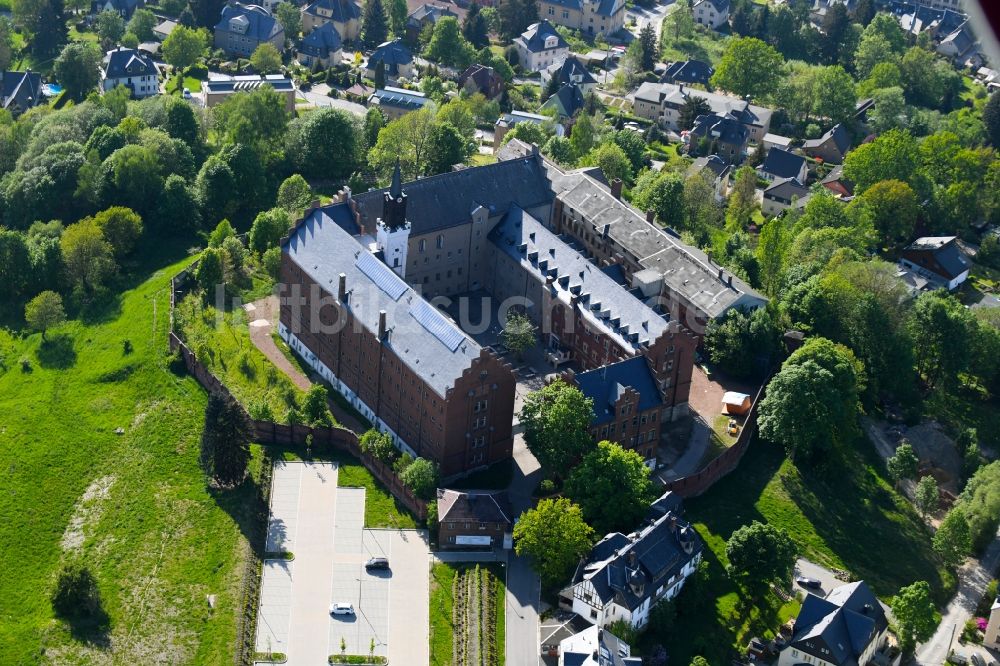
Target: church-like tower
[{"x": 392, "y": 229}]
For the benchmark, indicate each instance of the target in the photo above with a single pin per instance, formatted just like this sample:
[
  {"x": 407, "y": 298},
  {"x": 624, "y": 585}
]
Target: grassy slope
[
  {"x": 849, "y": 520},
  {"x": 158, "y": 541}
]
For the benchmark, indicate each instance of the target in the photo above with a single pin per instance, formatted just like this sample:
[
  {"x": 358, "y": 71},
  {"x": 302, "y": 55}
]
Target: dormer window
[{"x": 551, "y": 42}]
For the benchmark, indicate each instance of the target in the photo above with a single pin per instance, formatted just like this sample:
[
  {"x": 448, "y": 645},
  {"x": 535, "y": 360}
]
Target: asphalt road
[{"x": 523, "y": 585}]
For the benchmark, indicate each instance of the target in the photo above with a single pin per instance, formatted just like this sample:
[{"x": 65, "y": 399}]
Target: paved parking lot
[{"x": 323, "y": 526}]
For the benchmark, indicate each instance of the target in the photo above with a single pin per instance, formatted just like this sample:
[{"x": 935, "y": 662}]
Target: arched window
[{"x": 440, "y": 241}]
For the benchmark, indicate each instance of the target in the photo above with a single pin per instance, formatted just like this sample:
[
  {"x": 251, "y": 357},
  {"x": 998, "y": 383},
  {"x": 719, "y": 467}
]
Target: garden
[{"x": 467, "y": 615}]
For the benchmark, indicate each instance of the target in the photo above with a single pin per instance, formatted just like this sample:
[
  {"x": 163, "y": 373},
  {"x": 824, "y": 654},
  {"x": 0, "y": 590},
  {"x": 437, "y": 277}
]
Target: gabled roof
[
  {"x": 20, "y": 89},
  {"x": 121, "y": 63},
  {"x": 837, "y": 134},
  {"x": 688, "y": 71},
  {"x": 604, "y": 7},
  {"x": 473, "y": 505},
  {"x": 398, "y": 97},
  {"x": 786, "y": 188},
  {"x": 782, "y": 163},
  {"x": 718, "y": 166},
  {"x": 433, "y": 347},
  {"x": 391, "y": 53},
  {"x": 322, "y": 41},
  {"x": 566, "y": 101},
  {"x": 946, "y": 253},
  {"x": 675, "y": 96},
  {"x": 604, "y": 385},
  {"x": 720, "y": 128},
  {"x": 342, "y": 11},
  {"x": 721, "y": 6},
  {"x": 257, "y": 23},
  {"x": 534, "y": 37},
  {"x": 571, "y": 70},
  {"x": 428, "y": 12},
  {"x": 845, "y": 622},
  {"x": 484, "y": 78}
]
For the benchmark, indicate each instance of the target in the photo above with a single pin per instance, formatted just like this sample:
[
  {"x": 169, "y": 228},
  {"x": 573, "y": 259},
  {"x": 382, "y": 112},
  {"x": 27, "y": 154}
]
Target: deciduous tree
[
  {"x": 903, "y": 463},
  {"x": 747, "y": 68},
  {"x": 142, "y": 23},
  {"x": 991, "y": 118},
  {"x": 953, "y": 540},
  {"x": 325, "y": 144},
  {"x": 760, "y": 554},
  {"x": 294, "y": 194},
  {"x": 556, "y": 421},
  {"x": 76, "y": 69},
  {"x": 44, "y": 23},
  {"x": 448, "y": 46},
  {"x": 893, "y": 155},
  {"x": 914, "y": 611},
  {"x": 926, "y": 495},
  {"x": 183, "y": 46},
  {"x": 265, "y": 58},
  {"x": 421, "y": 476},
  {"x": 44, "y": 311},
  {"x": 892, "y": 207},
  {"x": 89, "y": 257},
  {"x": 555, "y": 535},
  {"x": 315, "y": 406},
  {"x": 612, "y": 487}
]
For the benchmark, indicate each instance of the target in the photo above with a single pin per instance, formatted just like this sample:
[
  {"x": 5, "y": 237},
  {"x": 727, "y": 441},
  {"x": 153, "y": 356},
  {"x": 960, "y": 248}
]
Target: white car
[
  {"x": 341, "y": 609},
  {"x": 186, "y": 94}
]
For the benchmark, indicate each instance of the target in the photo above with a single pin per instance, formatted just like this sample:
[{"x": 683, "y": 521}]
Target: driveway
[
  {"x": 653, "y": 16},
  {"x": 523, "y": 585},
  {"x": 972, "y": 580},
  {"x": 320, "y": 99},
  {"x": 828, "y": 579}
]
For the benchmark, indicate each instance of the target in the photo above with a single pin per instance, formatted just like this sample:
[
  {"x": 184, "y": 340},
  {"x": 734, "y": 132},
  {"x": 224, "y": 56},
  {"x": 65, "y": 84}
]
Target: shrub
[
  {"x": 546, "y": 487},
  {"x": 421, "y": 476},
  {"x": 379, "y": 446}
]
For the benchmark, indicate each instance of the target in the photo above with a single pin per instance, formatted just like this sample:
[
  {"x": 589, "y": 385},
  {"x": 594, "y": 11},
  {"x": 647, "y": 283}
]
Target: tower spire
[{"x": 396, "y": 188}]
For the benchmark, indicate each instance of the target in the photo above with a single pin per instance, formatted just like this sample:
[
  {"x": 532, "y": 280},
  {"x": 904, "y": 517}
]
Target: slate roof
[
  {"x": 473, "y": 506},
  {"x": 407, "y": 99},
  {"x": 603, "y": 303},
  {"x": 322, "y": 41},
  {"x": 122, "y": 63},
  {"x": 534, "y": 37},
  {"x": 485, "y": 79},
  {"x": 782, "y": 163},
  {"x": 658, "y": 554},
  {"x": 261, "y": 25},
  {"x": 125, "y": 7},
  {"x": 571, "y": 70},
  {"x": 726, "y": 129},
  {"x": 604, "y": 7},
  {"x": 846, "y": 622},
  {"x": 22, "y": 89},
  {"x": 342, "y": 10},
  {"x": 786, "y": 189},
  {"x": 837, "y": 134},
  {"x": 567, "y": 100},
  {"x": 721, "y": 6},
  {"x": 324, "y": 250},
  {"x": 688, "y": 71},
  {"x": 448, "y": 199},
  {"x": 675, "y": 96},
  {"x": 604, "y": 385},
  {"x": 428, "y": 12},
  {"x": 946, "y": 252},
  {"x": 393, "y": 54},
  {"x": 713, "y": 163}
]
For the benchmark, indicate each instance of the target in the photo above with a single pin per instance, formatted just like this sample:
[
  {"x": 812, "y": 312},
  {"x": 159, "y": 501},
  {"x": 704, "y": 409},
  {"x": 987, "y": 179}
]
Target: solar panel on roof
[
  {"x": 381, "y": 275},
  {"x": 435, "y": 323}
]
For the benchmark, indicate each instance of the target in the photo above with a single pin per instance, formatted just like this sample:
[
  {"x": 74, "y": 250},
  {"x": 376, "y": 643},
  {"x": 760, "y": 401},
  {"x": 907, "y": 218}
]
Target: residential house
[
  {"x": 163, "y": 29},
  {"x": 395, "y": 57},
  {"x": 688, "y": 71},
  {"x": 129, "y": 68},
  {"x": 938, "y": 259},
  {"x": 662, "y": 102},
  {"x": 124, "y": 8},
  {"x": 321, "y": 48},
  {"x": 396, "y": 102},
  {"x": 782, "y": 194},
  {"x": 627, "y": 405},
  {"x": 861, "y": 109},
  {"x": 573, "y": 71},
  {"x": 960, "y": 45},
  {"x": 831, "y": 147},
  {"x": 711, "y": 13},
  {"x": 595, "y": 646},
  {"x": 345, "y": 15},
  {"x": 623, "y": 577},
  {"x": 836, "y": 183},
  {"x": 724, "y": 136},
  {"x": 592, "y": 17},
  {"x": 20, "y": 91},
  {"x": 425, "y": 15},
  {"x": 566, "y": 102},
  {"x": 847, "y": 628},
  {"x": 245, "y": 27},
  {"x": 216, "y": 91},
  {"x": 540, "y": 47},
  {"x": 783, "y": 164},
  {"x": 481, "y": 79},
  {"x": 473, "y": 519},
  {"x": 719, "y": 170},
  {"x": 776, "y": 141},
  {"x": 507, "y": 121},
  {"x": 992, "y": 635}
]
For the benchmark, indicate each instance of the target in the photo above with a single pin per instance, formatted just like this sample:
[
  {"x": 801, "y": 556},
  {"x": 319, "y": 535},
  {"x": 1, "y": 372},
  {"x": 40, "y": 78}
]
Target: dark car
[
  {"x": 809, "y": 583},
  {"x": 377, "y": 563}
]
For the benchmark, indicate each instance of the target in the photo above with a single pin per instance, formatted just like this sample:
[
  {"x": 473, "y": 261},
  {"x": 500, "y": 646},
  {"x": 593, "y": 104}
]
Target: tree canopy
[
  {"x": 556, "y": 421},
  {"x": 612, "y": 487},
  {"x": 555, "y": 535}
]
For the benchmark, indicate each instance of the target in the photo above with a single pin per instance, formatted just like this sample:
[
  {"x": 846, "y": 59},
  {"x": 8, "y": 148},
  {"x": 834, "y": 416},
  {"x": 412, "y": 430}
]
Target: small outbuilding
[{"x": 736, "y": 403}]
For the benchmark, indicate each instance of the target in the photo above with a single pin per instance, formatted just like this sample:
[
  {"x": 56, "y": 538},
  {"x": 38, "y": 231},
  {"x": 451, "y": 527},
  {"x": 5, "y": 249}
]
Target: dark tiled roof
[
  {"x": 430, "y": 13},
  {"x": 782, "y": 164},
  {"x": 21, "y": 89},
  {"x": 448, "y": 199},
  {"x": 721, "y": 6},
  {"x": 837, "y": 134},
  {"x": 485, "y": 78},
  {"x": 846, "y": 622},
  {"x": 259, "y": 24},
  {"x": 534, "y": 37},
  {"x": 126, "y": 7},
  {"x": 567, "y": 100},
  {"x": 946, "y": 253},
  {"x": 122, "y": 63},
  {"x": 342, "y": 10},
  {"x": 603, "y": 386},
  {"x": 786, "y": 189},
  {"x": 726, "y": 129},
  {"x": 571, "y": 70},
  {"x": 392, "y": 53},
  {"x": 322, "y": 41},
  {"x": 420, "y": 335},
  {"x": 688, "y": 71},
  {"x": 713, "y": 163},
  {"x": 483, "y": 507},
  {"x": 609, "y": 7}
]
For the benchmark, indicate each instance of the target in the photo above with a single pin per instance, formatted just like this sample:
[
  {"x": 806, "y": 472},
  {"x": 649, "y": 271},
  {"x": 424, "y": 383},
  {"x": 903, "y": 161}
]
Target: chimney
[
  {"x": 534, "y": 150},
  {"x": 381, "y": 324},
  {"x": 650, "y": 216},
  {"x": 673, "y": 523},
  {"x": 342, "y": 288},
  {"x": 633, "y": 559},
  {"x": 616, "y": 188},
  {"x": 730, "y": 280}
]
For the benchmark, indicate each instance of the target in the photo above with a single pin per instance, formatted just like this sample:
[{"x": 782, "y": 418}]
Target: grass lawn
[
  {"x": 479, "y": 159},
  {"x": 134, "y": 506},
  {"x": 847, "y": 518},
  {"x": 706, "y": 45},
  {"x": 442, "y": 602},
  {"x": 177, "y": 84}
]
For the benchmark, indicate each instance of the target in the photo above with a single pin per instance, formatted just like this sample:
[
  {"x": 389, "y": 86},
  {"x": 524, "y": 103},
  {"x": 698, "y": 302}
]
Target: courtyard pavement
[{"x": 323, "y": 527}]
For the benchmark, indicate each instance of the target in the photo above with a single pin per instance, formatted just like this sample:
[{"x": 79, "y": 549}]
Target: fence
[
  {"x": 246, "y": 647},
  {"x": 695, "y": 484}
]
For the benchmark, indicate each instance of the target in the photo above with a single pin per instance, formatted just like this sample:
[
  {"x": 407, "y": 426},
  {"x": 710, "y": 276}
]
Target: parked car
[
  {"x": 341, "y": 609},
  {"x": 186, "y": 94},
  {"x": 958, "y": 658},
  {"x": 377, "y": 563},
  {"x": 977, "y": 660},
  {"x": 809, "y": 583}
]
